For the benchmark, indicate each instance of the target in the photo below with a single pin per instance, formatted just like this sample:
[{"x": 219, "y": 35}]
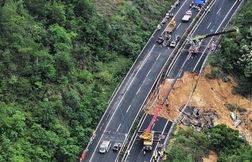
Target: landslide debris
[{"x": 212, "y": 95}]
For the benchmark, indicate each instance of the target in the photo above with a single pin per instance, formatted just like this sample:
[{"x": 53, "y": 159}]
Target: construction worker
[
  {"x": 155, "y": 155},
  {"x": 94, "y": 133},
  {"x": 93, "y": 136},
  {"x": 161, "y": 153}
]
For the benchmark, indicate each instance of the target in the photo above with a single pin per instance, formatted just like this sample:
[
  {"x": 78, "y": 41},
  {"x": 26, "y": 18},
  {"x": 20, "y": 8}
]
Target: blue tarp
[{"x": 199, "y": 2}]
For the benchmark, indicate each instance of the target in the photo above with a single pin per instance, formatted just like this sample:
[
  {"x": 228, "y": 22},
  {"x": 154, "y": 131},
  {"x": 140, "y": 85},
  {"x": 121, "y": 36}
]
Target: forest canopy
[
  {"x": 189, "y": 145},
  {"x": 235, "y": 54},
  {"x": 60, "y": 61}
]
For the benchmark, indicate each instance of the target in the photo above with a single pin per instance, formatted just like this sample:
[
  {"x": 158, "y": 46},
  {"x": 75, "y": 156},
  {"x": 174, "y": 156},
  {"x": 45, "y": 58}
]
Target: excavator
[{"x": 195, "y": 42}]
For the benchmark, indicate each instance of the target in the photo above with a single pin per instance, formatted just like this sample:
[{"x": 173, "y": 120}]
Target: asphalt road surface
[
  {"x": 214, "y": 21},
  {"x": 129, "y": 99},
  {"x": 160, "y": 128}
]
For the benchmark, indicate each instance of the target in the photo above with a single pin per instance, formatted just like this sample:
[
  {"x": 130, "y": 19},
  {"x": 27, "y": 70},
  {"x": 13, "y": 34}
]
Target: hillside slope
[
  {"x": 60, "y": 61},
  {"x": 210, "y": 95}
]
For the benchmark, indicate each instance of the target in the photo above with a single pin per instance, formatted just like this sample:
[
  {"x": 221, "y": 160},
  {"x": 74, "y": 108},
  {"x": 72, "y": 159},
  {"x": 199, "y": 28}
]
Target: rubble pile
[
  {"x": 197, "y": 118},
  {"x": 210, "y": 94}
]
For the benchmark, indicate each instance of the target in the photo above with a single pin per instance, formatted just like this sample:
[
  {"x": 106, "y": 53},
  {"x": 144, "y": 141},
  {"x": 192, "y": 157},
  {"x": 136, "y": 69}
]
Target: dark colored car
[
  {"x": 117, "y": 146},
  {"x": 160, "y": 40}
]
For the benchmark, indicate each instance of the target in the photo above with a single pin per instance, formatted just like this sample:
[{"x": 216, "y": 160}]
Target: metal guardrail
[
  {"x": 140, "y": 113},
  {"x": 118, "y": 87},
  {"x": 203, "y": 66},
  {"x": 141, "y": 109},
  {"x": 199, "y": 17},
  {"x": 239, "y": 7},
  {"x": 160, "y": 76},
  {"x": 175, "y": 52},
  {"x": 193, "y": 26}
]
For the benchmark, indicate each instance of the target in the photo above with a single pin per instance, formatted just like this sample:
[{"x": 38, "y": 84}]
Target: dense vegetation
[
  {"x": 234, "y": 57},
  {"x": 235, "y": 54},
  {"x": 190, "y": 146},
  {"x": 59, "y": 63}
]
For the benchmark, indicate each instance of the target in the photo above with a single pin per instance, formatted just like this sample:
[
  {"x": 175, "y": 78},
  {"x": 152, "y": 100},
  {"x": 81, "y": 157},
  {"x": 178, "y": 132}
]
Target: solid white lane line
[
  {"x": 179, "y": 9},
  {"x": 144, "y": 61},
  {"x": 202, "y": 18},
  {"x": 175, "y": 15},
  {"x": 120, "y": 102},
  {"x": 224, "y": 28},
  {"x": 131, "y": 146},
  {"x": 146, "y": 75},
  {"x": 209, "y": 25},
  {"x": 212, "y": 38},
  {"x": 161, "y": 134},
  {"x": 118, "y": 127},
  {"x": 128, "y": 108},
  {"x": 181, "y": 69},
  {"x": 142, "y": 105},
  {"x": 167, "y": 25},
  {"x": 171, "y": 66},
  {"x": 128, "y": 88}
]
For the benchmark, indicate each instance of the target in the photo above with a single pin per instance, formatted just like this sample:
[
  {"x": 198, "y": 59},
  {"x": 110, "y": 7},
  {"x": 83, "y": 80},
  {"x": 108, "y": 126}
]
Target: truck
[
  {"x": 164, "y": 39},
  {"x": 148, "y": 138},
  {"x": 171, "y": 26},
  {"x": 187, "y": 16},
  {"x": 104, "y": 147},
  {"x": 199, "y": 3}
]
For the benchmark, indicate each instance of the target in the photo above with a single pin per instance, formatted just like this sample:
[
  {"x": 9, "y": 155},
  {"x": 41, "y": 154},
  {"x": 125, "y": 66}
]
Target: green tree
[{"x": 60, "y": 62}]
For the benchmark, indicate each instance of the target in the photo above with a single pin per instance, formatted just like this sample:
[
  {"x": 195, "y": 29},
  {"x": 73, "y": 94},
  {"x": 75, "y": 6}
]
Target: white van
[
  {"x": 104, "y": 147},
  {"x": 187, "y": 16}
]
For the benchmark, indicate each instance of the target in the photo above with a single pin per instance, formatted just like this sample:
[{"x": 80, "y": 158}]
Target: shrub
[
  {"x": 234, "y": 107},
  {"x": 215, "y": 74}
]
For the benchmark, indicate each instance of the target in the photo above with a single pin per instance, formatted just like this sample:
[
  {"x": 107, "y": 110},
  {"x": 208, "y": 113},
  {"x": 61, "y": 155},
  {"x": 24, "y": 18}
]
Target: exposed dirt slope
[{"x": 209, "y": 95}]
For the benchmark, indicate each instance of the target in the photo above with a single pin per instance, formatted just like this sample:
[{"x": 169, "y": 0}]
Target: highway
[
  {"x": 161, "y": 129},
  {"x": 217, "y": 19},
  {"x": 131, "y": 95}
]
